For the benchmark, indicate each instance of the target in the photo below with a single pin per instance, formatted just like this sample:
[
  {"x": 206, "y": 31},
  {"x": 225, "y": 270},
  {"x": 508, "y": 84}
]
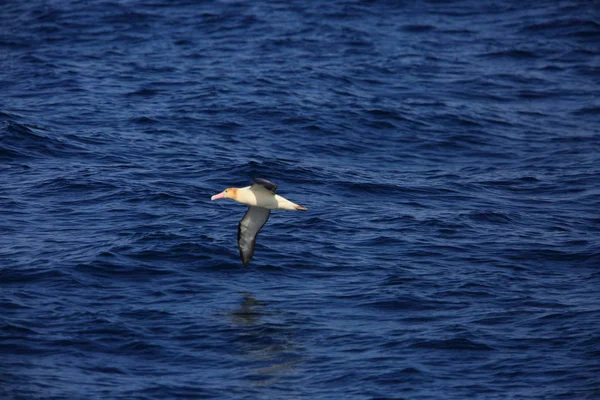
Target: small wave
[
  {"x": 15, "y": 330},
  {"x": 29, "y": 275},
  {"x": 404, "y": 303},
  {"x": 143, "y": 120},
  {"x": 19, "y": 141},
  {"x": 453, "y": 344},
  {"x": 72, "y": 184},
  {"x": 371, "y": 187},
  {"x": 539, "y": 94},
  {"x": 516, "y": 54},
  {"x": 494, "y": 217},
  {"x": 581, "y": 258},
  {"x": 109, "y": 266}
]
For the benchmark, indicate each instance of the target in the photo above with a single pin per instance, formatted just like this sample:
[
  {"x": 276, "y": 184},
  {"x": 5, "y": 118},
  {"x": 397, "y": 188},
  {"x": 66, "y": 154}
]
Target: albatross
[{"x": 260, "y": 199}]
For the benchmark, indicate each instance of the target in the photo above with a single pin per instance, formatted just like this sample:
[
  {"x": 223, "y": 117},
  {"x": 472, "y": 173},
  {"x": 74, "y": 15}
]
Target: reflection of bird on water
[
  {"x": 247, "y": 314},
  {"x": 265, "y": 344}
]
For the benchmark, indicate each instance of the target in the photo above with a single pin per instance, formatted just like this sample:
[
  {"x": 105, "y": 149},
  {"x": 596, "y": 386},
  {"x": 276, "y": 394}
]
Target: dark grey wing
[
  {"x": 270, "y": 186},
  {"x": 249, "y": 226}
]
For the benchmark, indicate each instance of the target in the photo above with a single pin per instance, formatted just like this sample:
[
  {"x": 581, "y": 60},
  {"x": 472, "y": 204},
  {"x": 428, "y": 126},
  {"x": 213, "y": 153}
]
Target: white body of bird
[{"x": 258, "y": 196}]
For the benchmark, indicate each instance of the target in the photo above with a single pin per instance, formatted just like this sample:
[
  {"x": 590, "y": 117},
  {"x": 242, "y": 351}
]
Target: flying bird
[{"x": 260, "y": 199}]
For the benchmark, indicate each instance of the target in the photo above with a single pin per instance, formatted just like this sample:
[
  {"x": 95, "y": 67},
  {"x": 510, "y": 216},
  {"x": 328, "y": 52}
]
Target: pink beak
[{"x": 218, "y": 196}]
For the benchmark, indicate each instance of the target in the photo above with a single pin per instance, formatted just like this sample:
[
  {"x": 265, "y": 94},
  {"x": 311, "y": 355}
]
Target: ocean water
[{"x": 448, "y": 152}]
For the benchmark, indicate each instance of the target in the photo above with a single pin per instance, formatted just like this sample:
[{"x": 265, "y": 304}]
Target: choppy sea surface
[{"x": 448, "y": 152}]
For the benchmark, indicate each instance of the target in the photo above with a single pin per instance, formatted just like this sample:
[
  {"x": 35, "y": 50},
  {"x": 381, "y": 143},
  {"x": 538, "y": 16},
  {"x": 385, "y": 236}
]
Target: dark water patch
[
  {"x": 144, "y": 93},
  {"x": 416, "y": 28},
  {"x": 583, "y": 111},
  {"x": 575, "y": 27}
]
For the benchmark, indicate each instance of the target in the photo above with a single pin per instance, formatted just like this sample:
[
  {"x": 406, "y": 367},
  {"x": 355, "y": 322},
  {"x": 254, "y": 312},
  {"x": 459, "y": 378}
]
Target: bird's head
[{"x": 229, "y": 193}]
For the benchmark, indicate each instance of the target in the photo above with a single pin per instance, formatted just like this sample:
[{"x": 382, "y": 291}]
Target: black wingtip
[{"x": 265, "y": 183}]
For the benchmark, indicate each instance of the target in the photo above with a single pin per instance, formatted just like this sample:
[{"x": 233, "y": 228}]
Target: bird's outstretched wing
[
  {"x": 248, "y": 229},
  {"x": 270, "y": 186}
]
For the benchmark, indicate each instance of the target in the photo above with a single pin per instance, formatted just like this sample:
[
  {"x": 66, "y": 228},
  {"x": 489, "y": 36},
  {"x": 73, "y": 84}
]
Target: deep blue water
[{"x": 449, "y": 154}]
